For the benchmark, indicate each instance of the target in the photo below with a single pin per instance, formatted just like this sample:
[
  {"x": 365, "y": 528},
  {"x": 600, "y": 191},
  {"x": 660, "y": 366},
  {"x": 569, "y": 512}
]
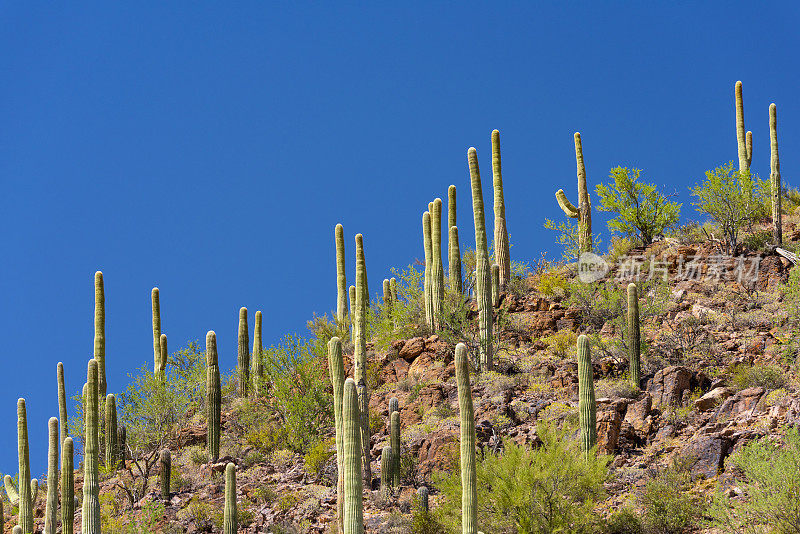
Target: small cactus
[
  {"x": 633, "y": 335},
  {"x": 386, "y": 472},
  {"x": 351, "y": 461},
  {"x": 422, "y": 498},
  {"x": 161, "y": 369},
  {"x": 243, "y": 354},
  {"x": 427, "y": 242},
  {"x": 437, "y": 269},
  {"x": 744, "y": 140},
  {"x": 213, "y": 397},
  {"x": 469, "y": 492},
  {"x": 454, "y": 262},
  {"x": 62, "y": 401},
  {"x": 51, "y": 506},
  {"x": 165, "y": 459},
  {"x": 91, "y": 475},
  {"x": 67, "y": 487},
  {"x": 775, "y": 176},
  {"x": 336, "y": 368},
  {"x": 584, "y": 210},
  {"x": 156, "y": 313},
  {"x": 341, "y": 279},
  {"x": 256, "y": 363},
  {"x": 587, "y": 409},
  {"x": 482, "y": 270},
  {"x": 230, "y": 523},
  {"x": 25, "y": 490},
  {"x": 495, "y": 285},
  {"x": 100, "y": 329},
  {"x": 34, "y": 491},
  {"x": 112, "y": 443},
  {"x": 501, "y": 246},
  {"x": 394, "y": 440}
]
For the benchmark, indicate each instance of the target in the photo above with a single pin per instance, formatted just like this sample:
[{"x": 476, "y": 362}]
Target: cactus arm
[
  {"x": 454, "y": 261},
  {"x": 25, "y": 491},
  {"x": 363, "y": 406},
  {"x": 112, "y": 456},
  {"x": 256, "y": 364},
  {"x": 11, "y": 491},
  {"x": 741, "y": 136},
  {"x": 570, "y": 210}
]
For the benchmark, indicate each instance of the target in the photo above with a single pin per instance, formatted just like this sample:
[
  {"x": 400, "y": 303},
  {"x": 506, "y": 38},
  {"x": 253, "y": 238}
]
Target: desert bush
[
  {"x": 552, "y": 283},
  {"x": 768, "y": 377},
  {"x": 618, "y": 248},
  {"x": 624, "y": 521},
  {"x": 667, "y": 505},
  {"x": 616, "y": 387},
  {"x": 562, "y": 343},
  {"x": 318, "y": 456},
  {"x": 567, "y": 238}
]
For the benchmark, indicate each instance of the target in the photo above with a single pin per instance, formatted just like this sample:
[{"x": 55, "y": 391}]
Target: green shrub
[
  {"x": 768, "y": 377},
  {"x": 619, "y": 248},
  {"x": 562, "y": 343},
  {"x": 624, "y": 521},
  {"x": 319, "y": 454},
  {"x": 667, "y": 506},
  {"x": 552, "y": 283},
  {"x": 568, "y": 239}
]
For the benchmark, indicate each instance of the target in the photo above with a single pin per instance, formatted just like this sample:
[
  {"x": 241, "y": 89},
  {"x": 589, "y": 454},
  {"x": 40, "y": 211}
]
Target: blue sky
[{"x": 209, "y": 150}]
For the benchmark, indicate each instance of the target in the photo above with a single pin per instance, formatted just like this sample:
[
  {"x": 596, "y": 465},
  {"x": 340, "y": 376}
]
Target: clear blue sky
[{"x": 209, "y": 150}]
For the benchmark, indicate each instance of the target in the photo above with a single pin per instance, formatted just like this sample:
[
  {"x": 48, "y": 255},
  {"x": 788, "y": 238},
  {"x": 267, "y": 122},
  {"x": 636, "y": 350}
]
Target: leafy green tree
[
  {"x": 733, "y": 199},
  {"x": 641, "y": 210}
]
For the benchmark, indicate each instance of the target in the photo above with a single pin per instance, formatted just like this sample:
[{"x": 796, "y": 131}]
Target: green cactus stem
[
  {"x": 51, "y": 506},
  {"x": 584, "y": 210},
  {"x": 213, "y": 397},
  {"x": 393, "y": 286},
  {"x": 427, "y": 241},
  {"x": 161, "y": 368},
  {"x": 437, "y": 268},
  {"x": 744, "y": 140},
  {"x": 165, "y": 459},
  {"x": 336, "y": 369},
  {"x": 387, "y": 300},
  {"x": 25, "y": 490},
  {"x": 394, "y": 406},
  {"x": 243, "y": 354},
  {"x": 91, "y": 475},
  {"x": 775, "y": 176},
  {"x": 67, "y": 487},
  {"x": 634, "y": 335},
  {"x": 501, "y": 246},
  {"x": 11, "y": 491},
  {"x": 469, "y": 492},
  {"x": 34, "y": 491},
  {"x": 495, "y": 285},
  {"x": 112, "y": 444},
  {"x": 422, "y": 499},
  {"x": 360, "y": 245},
  {"x": 587, "y": 409},
  {"x": 122, "y": 438},
  {"x": 386, "y": 472},
  {"x": 230, "y": 523},
  {"x": 451, "y": 216},
  {"x": 341, "y": 279},
  {"x": 352, "y": 292},
  {"x": 351, "y": 461},
  {"x": 454, "y": 262},
  {"x": 256, "y": 362},
  {"x": 100, "y": 329},
  {"x": 394, "y": 441},
  {"x": 62, "y": 401},
  {"x": 360, "y": 313},
  {"x": 363, "y": 406},
  {"x": 156, "y": 312},
  {"x": 483, "y": 287}
]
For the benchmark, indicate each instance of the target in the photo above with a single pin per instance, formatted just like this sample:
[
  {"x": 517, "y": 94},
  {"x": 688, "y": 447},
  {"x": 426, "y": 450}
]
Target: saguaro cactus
[
  {"x": 11, "y": 491},
  {"x": 633, "y": 334},
  {"x": 427, "y": 241},
  {"x": 501, "y": 246},
  {"x": 34, "y": 491},
  {"x": 394, "y": 406},
  {"x": 422, "y": 498},
  {"x": 67, "y": 487},
  {"x": 51, "y": 506},
  {"x": 156, "y": 312},
  {"x": 161, "y": 368},
  {"x": 230, "y": 523},
  {"x": 351, "y": 451},
  {"x": 744, "y": 140},
  {"x": 336, "y": 368},
  {"x": 25, "y": 491},
  {"x": 584, "y": 210},
  {"x": 451, "y": 218},
  {"x": 165, "y": 459},
  {"x": 469, "y": 492},
  {"x": 363, "y": 406},
  {"x": 483, "y": 282},
  {"x": 393, "y": 286},
  {"x": 112, "y": 443},
  {"x": 587, "y": 409},
  {"x": 256, "y": 364},
  {"x": 495, "y": 285},
  {"x": 100, "y": 329},
  {"x": 341, "y": 278},
  {"x": 388, "y": 303},
  {"x": 352, "y": 292},
  {"x": 213, "y": 397},
  {"x": 386, "y": 472},
  {"x": 122, "y": 438},
  {"x": 394, "y": 441},
  {"x": 62, "y": 401},
  {"x": 437, "y": 269},
  {"x": 360, "y": 245},
  {"x": 244, "y": 353},
  {"x": 360, "y": 311},
  {"x": 454, "y": 261},
  {"x": 775, "y": 176},
  {"x": 91, "y": 475}
]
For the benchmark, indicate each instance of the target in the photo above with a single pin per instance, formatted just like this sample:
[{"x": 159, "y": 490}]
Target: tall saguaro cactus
[
  {"x": 156, "y": 312},
  {"x": 351, "y": 461},
  {"x": 394, "y": 441},
  {"x": 501, "y": 246},
  {"x": 244, "y": 353},
  {"x": 25, "y": 492},
  {"x": 51, "y": 506},
  {"x": 386, "y": 472},
  {"x": 587, "y": 409},
  {"x": 634, "y": 335},
  {"x": 454, "y": 261},
  {"x": 744, "y": 140},
  {"x": 469, "y": 491},
  {"x": 112, "y": 444},
  {"x": 483, "y": 283},
  {"x": 213, "y": 397},
  {"x": 91, "y": 475},
  {"x": 341, "y": 278},
  {"x": 775, "y": 176},
  {"x": 62, "y": 401},
  {"x": 230, "y": 522},
  {"x": 427, "y": 241},
  {"x": 67, "y": 487},
  {"x": 451, "y": 213},
  {"x": 351, "y": 291},
  {"x": 363, "y": 406},
  {"x": 336, "y": 368},
  {"x": 584, "y": 210},
  {"x": 256, "y": 364},
  {"x": 360, "y": 323},
  {"x": 437, "y": 268},
  {"x": 165, "y": 471},
  {"x": 161, "y": 368},
  {"x": 100, "y": 329}
]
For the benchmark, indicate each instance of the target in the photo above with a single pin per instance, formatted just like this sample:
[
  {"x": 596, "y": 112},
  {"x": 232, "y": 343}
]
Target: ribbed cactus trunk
[
  {"x": 25, "y": 491},
  {"x": 51, "y": 506},
  {"x": 634, "y": 341},
  {"x": 451, "y": 219},
  {"x": 393, "y": 286},
  {"x": 161, "y": 368},
  {"x": 495, "y": 285},
  {"x": 386, "y": 472},
  {"x": 483, "y": 287},
  {"x": 256, "y": 363},
  {"x": 469, "y": 491},
  {"x": 363, "y": 406},
  {"x": 155, "y": 304},
  {"x": 388, "y": 303},
  {"x": 351, "y": 452},
  {"x": 112, "y": 443},
  {"x": 62, "y": 402},
  {"x": 360, "y": 312},
  {"x": 394, "y": 441},
  {"x": 454, "y": 262},
  {"x": 775, "y": 176},
  {"x": 744, "y": 140},
  {"x": 165, "y": 470},
  {"x": 67, "y": 487},
  {"x": 584, "y": 210},
  {"x": 427, "y": 241},
  {"x": 34, "y": 491},
  {"x": 91, "y": 475},
  {"x": 336, "y": 369},
  {"x": 243, "y": 354},
  {"x": 587, "y": 409},
  {"x": 230, "y": 522},
  {"x": 100, "y": 330},
  {"x": 352, "y": 292},
  {"x": 122, "y": 437},
  {"x": 341, "y": 279},
  {"x": 213, "y": 397},
  {"x": 422, "y": 498},
  {"x": 394, "y": 406},
  {"x": 437, "y": 268},
  {"x": 501, "y": 246}
]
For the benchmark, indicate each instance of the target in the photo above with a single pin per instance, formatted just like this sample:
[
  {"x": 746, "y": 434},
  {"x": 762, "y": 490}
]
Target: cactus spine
[
  {"x": 25, "y": 490},
  {"x": 336, "y": 368},
  {"x": 427, "y": 241},
  {"x": 62, "y": 401},
  {"x": 213, "y": 397},
  {"x": 91, "y": 488},
  {"x": 394, "y": 441},
  {"x": 360, "y": 323},
  {"x": 161, "y": 369},
  {"x": 482, "y": 269},
  {"x": 351, "y": 452},
  {"x": 386, "y": 472},
  {"x": 775, "y": 176},
  {"x": 156, "y": 312},
  {"x": 437, "y": 269},
  {"x": 256, "y": 364},
  {"x": 469, "y": 492},
  {"x": 51, "y": 506},
  {"x": 501, "y": 246},
  {"x": 341, "y": 278},
  {"x": 454, "y": 261},
  {"x": 634, "y": 334},
  {"x": 166, "y": 470},
  {"x": 100, "y": 329},
  {"x": 112, "y": 445},
  {"x": 422, "y": 498},
  {"x": 230, "y": 523},
  {"x": 587, "y": 409},
  {"x": 584, "y": 210},
  {"x": 363, "y": 406},
  {"x": 244, "y": 353},
  {"x": 744, "y": 140},
  {"x": 495, "y": 285},
  {"x": 67, "y": 487}
]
